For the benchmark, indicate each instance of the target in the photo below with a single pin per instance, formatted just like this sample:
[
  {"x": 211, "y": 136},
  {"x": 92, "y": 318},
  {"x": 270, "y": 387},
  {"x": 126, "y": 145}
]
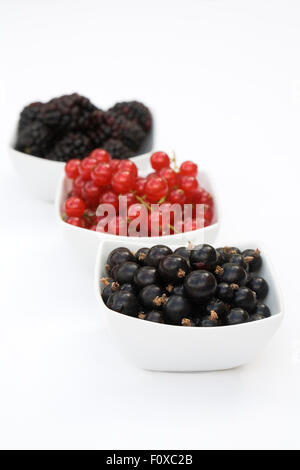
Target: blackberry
[
  {"x": 134, "y": 111},
  {"x": 30, "y": 114},
  {"x": 72, "y": 145},
  {"x": 128, "y": 132},
  {"x": 96, "y": 127},
  {"x": 67, "y": 112},
  {"x": 34, "y": 139},
  {"x": 117, "y": 149}
]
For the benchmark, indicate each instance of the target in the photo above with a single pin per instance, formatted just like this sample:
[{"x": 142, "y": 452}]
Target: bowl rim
[
  {"x": 274, "y": 317},
  {"x": 164, "y": 238}
]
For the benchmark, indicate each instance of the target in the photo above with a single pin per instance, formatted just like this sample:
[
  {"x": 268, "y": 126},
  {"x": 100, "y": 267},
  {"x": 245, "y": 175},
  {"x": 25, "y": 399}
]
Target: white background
[{"x": 223, "y": 78}]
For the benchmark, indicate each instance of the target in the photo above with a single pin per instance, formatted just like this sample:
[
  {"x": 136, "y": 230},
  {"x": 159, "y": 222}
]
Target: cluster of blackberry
[
  {"x": 71, "y": 127},
  {"x": 197, "y": 286}
]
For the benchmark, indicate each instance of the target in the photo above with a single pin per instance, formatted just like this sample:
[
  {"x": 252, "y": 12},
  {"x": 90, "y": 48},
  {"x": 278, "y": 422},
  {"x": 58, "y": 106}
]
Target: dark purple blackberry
[
  {"x": 134, "y": 111},
  {"x": 72, "y": 145},
  {"x": 67, "y": 112},
  {"x": 34, "y": 139},
  {"x": 30, "y": 114},
  {"x": 117, "y": 149},
  {"x": 128, "y": 132},
  {"x": 96, "y": 127}
]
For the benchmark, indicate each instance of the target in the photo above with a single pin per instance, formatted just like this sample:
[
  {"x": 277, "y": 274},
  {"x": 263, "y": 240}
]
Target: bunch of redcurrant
[{"x": 99, "y": 179}]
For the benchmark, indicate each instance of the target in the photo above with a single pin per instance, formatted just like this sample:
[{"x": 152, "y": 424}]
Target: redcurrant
[
  {"x": 128, "y": 165},
  {"x": 86, "y": 166},
  {"x": 101, "y": 175},
  {"x": 159, "y": 160},
  {"x": 123, "y": 182},
  {"x": 100, "y": 155},
  {"x": 177, "y": 196},
  {"x": 72, "y": 168},
  {"x": 188, "y": 184},
  {"x": 74, "y": 207},
  {"x": 156, "y": 188},
  {"x": 169, "y": 175},
  {"x": 188, "y": 168},
  {"x": 76, "y": 221}
]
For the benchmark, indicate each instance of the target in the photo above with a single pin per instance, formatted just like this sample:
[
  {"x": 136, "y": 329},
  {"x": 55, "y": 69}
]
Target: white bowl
[
  {"x": 176, "y": 348},
  {"x": 40, "y": 176},
  {"x": 87, "y": 241}
]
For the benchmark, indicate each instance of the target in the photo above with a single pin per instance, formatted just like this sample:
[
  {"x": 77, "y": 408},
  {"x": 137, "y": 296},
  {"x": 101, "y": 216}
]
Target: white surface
[
  {"x": 85, "y": 242},
  {"x": 225, "y": 77},
  {"x": 167, "y": 348}
]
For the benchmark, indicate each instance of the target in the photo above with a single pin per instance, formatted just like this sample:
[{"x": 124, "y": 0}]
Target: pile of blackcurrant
[{"x": 191, "y": 286}]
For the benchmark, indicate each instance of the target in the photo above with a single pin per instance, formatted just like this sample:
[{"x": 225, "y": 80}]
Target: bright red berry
[
  {"x": 169, "y": 175},
  {"x": 177, "y": 196},
  {"x": 72, "y": 168},
  {"x": 135, "y": 210},
  {"x": 101, "y": 174},
  {"x": 123, "y": 182},
  {"x": 159, "y": 160},
  {"x": 86, "y": 166},
  {"x": 188, "y": 168},
  {"x": 128, "y": 165},
  {"x": 90, "y": 191},
  {"x": 140, "y": 185},
  {"x": 188, "y": 184},
  {"x": 100, "y": 155},
  {"x": 109, "y": 197},
  {"x": 156, "y": 188},
  {"x": 74, "y": 206},
  {"x": 114, "y": 163},
  {"x": 75, "y": 221},
  {"x": 130, "y": 198},
  {"x": 78, "y": 185}
]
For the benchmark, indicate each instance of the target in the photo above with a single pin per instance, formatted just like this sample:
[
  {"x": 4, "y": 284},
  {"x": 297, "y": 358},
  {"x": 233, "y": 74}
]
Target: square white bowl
[
  {"x": 161, "y": 347},
  {"x": 86, "y": 242},
  {"x": 40, "y": 176}
]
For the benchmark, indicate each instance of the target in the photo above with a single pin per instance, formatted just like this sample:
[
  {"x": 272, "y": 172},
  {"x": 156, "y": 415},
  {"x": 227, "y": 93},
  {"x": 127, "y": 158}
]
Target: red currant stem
[
  {"x": 174, "y": 161},
  {"x": 163, "y": 199}
]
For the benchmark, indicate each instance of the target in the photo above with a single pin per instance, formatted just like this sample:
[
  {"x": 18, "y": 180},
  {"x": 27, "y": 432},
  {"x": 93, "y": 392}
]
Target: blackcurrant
[
  {"x": 176, "y": 308},
  {"x": 240, "y": 260},
  {"x": 254, "y": 259},
  {"x": 210, "y": 320},
  {"x": 178, "y": 290},
  {"x": 141, "y": 254},
  {"x": 125, "y": 272},
  {"x": 200, "y": 284},
  {"x": 173, "y": 268},
  {"x": 262, "y": 309},
  {"x": 128, "y": 287},
  {"x": 256, "y": 316},
  {"x": 232, "y": 274},
  {"x": 152, "y": 296},
  {"x": 155, "y": 316},
  {"x": 225, "y": 291},
  {"x": 184, "y": 252},
  {"x": 145, "y": 275},
  {"x": 110, "y": 287},
  {"x": 156, "y": 253},
  {"x": 203, "y": 257},
  {"x": 258, "y": 285},
  {"x": 236, "y": 316},
  {"x": 228, "y": 251},
  {"x": 218, "y": 307},
  {"x": 118, "y": 256},
  {"x": 124, "y": 302},
  {"x": 245, "y": 298}
]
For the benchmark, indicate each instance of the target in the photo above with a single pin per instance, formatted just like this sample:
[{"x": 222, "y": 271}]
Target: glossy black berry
[
  {"x": 155, "y": 316},
  {"x": 184, "y": 252},
  {"x": 203, "y": 257},
  {"x": 200, "y": 284},
  {"x": 178, "y": 290},
  {"x": 125, "y": 272},
  {"x": 152, "y": 296},
  {"x": 156, "y": 253},
  {"x": 236, "y": 316},
  {"x": 141, "y": 254},
  {"x": 259, "y": 286},
  {"x": 118, "y": 256},
  {"x": 232, "y": 274},
  {"x": 254, "y": 259},
  {"x": 245, "y": 298},
  {"x": 218, "y": 307},
  {"x": 110, "y": 287},
  {"x": 128, "y": 287},
  {"x": 210, "y": 320},
  {"x": 176, "y": 308},
  {"x": 240, "y": 260},
  {"x": 124, "y": 302},
  {"x": 256, "y": 316},
  {"x": 145, "y": 276},
  {"x": 227, "y": 251},
  {"x": 173, "y": 268},
  {"x": 262, "y": 309},
  {"x": 226, "y": 291}
]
